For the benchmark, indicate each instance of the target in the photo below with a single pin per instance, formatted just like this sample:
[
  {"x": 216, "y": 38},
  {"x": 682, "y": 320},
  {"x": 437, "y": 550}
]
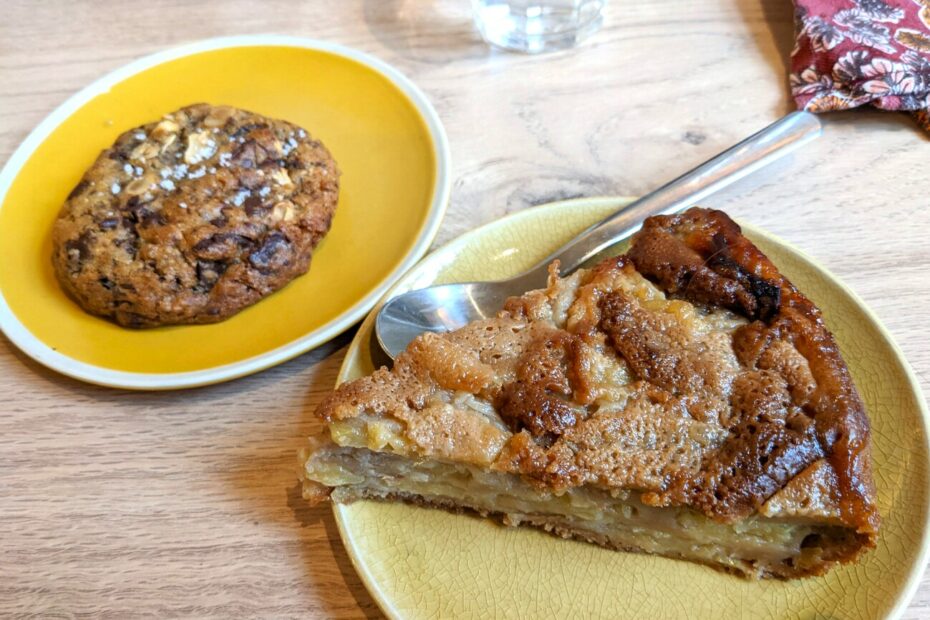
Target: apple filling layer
[{"x": 754, "y": 546}]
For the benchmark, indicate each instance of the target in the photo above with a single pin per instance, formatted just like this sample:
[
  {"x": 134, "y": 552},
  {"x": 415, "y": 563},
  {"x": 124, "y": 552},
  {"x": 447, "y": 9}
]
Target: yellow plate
[
  {"x": 422, "y": 563},
  {"x": 382, "y": 131}
]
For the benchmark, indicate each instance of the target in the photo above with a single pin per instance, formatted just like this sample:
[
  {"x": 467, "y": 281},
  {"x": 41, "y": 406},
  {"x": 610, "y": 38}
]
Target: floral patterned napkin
[{"x": 856, "y": 52}]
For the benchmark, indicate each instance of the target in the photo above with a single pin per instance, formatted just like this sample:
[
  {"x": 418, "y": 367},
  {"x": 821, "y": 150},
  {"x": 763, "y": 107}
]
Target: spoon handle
[{"x": 775, "y": 141}]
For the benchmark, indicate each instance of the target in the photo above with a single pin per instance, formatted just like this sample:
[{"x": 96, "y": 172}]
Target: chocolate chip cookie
[{"x": 193, "y": 218}]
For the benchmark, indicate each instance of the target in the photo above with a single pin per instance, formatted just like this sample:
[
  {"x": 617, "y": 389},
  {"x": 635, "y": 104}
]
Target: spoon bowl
[{"x": 439, "y": 309}]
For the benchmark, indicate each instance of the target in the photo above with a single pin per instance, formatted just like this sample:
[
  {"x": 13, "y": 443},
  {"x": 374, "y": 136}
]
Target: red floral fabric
[{"x": 857, "y": 52}]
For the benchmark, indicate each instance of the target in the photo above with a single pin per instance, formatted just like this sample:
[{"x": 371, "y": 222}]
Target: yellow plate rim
[
  {"x": 45, "y": 355},
  {"x": 425, "y": 272}
]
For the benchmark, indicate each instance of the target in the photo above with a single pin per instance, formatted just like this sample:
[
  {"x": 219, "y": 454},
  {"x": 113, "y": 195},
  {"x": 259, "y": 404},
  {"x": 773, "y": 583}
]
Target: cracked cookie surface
[{"x": 194, "y": 217}]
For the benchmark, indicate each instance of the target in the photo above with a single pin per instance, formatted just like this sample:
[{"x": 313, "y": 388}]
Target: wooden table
[{"x": 116, "y": 503}]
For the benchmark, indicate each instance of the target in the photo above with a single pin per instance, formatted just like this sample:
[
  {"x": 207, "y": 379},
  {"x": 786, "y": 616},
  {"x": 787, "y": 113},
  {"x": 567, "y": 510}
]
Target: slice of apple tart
[{"x": 683, "y": 399}]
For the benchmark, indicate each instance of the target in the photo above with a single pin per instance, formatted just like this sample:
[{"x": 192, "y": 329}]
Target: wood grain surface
[{"x": 119, "y": 504}]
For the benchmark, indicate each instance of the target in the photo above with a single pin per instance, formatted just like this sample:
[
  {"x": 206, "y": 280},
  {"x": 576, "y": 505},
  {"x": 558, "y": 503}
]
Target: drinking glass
[{"x": 535, "y": 26}]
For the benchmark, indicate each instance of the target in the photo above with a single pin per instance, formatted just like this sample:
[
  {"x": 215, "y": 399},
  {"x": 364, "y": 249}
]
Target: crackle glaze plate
[
  {"x": 382, "y": 131},
  {"x": 423, "y": 563}
]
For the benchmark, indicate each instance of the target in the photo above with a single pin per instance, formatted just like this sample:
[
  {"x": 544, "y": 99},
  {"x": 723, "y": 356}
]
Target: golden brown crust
[
  {"x": 717, "y": 265},
  {"x": 810, "y": 494},
  {"x": 539, "y": 398}
]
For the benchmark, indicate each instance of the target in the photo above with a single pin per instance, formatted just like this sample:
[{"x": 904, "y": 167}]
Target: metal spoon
[{"x": 450, "y": 306}]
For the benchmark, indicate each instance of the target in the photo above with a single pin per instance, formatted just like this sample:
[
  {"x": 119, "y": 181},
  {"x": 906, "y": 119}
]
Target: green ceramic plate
[{"x": 421, "y": 563}]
